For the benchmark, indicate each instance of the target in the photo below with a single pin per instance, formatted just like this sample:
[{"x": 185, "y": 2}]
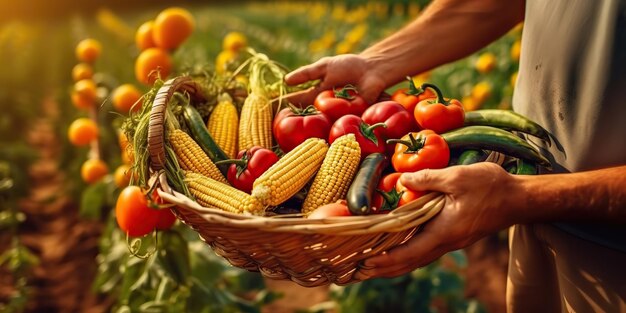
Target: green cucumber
[
  {"x": 524, "y": 167},
  {"x": 495, "y": 139},
  {"x": 472, "y": 156},
  {"x": 201, "y": 135},
  {"x": 508, "y": 120},
  {"x": 363, "y": 187}
]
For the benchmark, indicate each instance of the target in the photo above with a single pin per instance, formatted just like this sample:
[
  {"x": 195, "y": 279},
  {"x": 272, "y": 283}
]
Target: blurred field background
[{"x": 60, "y": 249}]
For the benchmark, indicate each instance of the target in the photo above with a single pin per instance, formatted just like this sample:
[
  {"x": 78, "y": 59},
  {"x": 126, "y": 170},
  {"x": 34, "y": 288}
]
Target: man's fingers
[
  {"x": 305, "y": 97},
  {"x": 426, "y": 179},
  {"x": 397, "y": 268},
  {"x": 402, "y": 259},
  {"x": 307, "y": 73}
]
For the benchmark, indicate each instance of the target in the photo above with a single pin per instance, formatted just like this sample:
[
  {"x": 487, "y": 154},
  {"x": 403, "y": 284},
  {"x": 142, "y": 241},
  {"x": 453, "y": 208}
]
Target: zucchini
[
  {"x": 472, "y": 156},
  {"x": 201, "y": 135},
  {"x": 507, "y": 120},
  {"x": 491, "y": 138},
  {"x": 363, "y": 187},
  {"x": 524, "y": 167}
]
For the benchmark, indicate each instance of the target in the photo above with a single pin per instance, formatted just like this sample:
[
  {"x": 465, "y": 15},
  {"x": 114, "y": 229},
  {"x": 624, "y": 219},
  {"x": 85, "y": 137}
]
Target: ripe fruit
[
  {"x": 86, "y": 88},
  {"x": 93, "y": 170},
  {"x": 124, "y": 97},
  {"x": 172, "y": 27},
  {"x": 81, "y": 71},
  {"x": 223, "y": 59},
  {"x": 88, "y": 50},
  {"x": 234, "y": 41},
  {"x": 486, "y": 62},
  {"x": 82, "y": 131},
  {"x": 152, "y": 63},
  {"x": 481, "y": 92},
  {"x": 143, "y": 36},
  {"x": 81, "y": 102},
  {"x": 122, "y": 175},
  {"x": 133, "y": 214}
]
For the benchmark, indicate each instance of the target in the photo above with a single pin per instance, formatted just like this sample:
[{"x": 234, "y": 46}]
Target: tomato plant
[
  {"x": 172, "y": 27},
  {"x": 93, "y": 170},
  {"x": 125, "y": 97},
  {"x": 88, "y": 50},
  {"x": 143, "y": 36},
  {"x": 82, "y": 71},
  {"x": 152, "y": 63},
  {"x": 82, "y": 131}
]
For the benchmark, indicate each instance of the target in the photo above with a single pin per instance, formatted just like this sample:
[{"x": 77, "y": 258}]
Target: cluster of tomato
[
  {"x": 84, "y": 131},
  {"x": 156, "y": 38},
  {"x": 139, "y": 212},
  {"x": 405, "y": 128}
]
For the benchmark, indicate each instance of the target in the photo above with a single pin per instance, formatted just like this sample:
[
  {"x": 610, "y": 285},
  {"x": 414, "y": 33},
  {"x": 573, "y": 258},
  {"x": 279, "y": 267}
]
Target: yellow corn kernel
[
  {"x": 287, "y": 176},
  {"x": 332, "y": 181},
  {"x": 213, "y": 194},
  {"x": 255, "y": 126},
  {"x": 223, "y": 125},
  {"x": 192, "y": 158}
]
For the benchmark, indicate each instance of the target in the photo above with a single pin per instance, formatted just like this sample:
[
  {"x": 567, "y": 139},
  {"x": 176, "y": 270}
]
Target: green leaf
[
  {"x": 173, "y": 256},
  {"x": 92, "y": 200}
]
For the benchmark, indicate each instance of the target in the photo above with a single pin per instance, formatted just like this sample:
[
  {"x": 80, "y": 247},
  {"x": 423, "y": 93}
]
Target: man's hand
[
  {"x": 337, "y": 71},
  {"x": 475, "y": 199}
]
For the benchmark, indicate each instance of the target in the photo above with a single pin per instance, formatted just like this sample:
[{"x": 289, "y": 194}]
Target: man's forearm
[
  {"x": 586, "y": 196},
  {"x": 446, "y": 31}
]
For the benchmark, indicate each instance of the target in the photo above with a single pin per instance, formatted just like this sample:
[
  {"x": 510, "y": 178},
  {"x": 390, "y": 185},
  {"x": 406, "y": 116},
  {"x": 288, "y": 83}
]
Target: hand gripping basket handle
[{"x": 156, "y": 126}]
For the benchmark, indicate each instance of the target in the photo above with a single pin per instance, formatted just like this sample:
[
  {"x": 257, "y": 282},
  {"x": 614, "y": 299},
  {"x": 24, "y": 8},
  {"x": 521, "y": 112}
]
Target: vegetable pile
[{"x": 234, "y": 142}]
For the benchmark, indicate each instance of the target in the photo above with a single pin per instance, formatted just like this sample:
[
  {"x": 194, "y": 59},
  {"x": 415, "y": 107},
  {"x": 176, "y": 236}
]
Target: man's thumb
[{"x": 423, "y": 180}]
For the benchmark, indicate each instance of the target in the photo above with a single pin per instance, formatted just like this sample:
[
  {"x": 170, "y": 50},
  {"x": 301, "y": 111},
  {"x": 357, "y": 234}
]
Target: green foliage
[
  {"x": 434, "y": 288},
  {"x": 18, "y": 259},
  {"x": 182, "y": 275}
]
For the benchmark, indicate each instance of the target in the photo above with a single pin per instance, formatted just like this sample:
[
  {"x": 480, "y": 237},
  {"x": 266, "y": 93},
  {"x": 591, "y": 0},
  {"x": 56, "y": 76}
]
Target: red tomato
[
  {"x": 166, "y": 218},
  {"x": 338, "y": 208},
  {"x": 369, "y": 141},
  {"x": 410, "y": 97},
  {"x": 390, "y": 194},
  {"x": 292, "y": 126},
  {"x": 133, "y": 214},
  {"x": 248, "y": 166},
  {"x": 398, "y": 120},
  {"x": 417, "y": 151},
  {"x": 336, "y": 104},
  {"x": 439, "y": 115}
]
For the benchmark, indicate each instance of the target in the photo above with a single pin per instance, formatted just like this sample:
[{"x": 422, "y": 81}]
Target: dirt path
[{"x": 66, "y": 245}]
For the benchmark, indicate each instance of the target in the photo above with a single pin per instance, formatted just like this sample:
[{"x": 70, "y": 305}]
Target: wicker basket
[{"x": 310, "y": 252}]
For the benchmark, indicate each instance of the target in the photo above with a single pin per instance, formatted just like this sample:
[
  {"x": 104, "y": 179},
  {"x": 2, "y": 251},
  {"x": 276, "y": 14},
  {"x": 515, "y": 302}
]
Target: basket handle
[{"x": 156, "y": 124}]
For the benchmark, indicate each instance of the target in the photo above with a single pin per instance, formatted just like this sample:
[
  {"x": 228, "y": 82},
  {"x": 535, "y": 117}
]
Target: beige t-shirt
[{"x": 572, "y": 80}]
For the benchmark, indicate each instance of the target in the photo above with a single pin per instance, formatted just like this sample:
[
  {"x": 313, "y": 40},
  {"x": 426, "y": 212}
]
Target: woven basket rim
[{"x": 402, "y": 218}]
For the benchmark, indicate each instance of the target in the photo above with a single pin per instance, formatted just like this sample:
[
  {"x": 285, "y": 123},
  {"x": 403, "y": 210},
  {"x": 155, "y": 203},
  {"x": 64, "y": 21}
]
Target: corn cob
[
  {"x": 255, "y": 127},
  {"x": 287, "y": 176},
  {"x": 191, "y": 157},
  {"x": 223, "y": 125},
  {"x": 213, "y": 194},
  {"x": 334, "y": 177}
]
